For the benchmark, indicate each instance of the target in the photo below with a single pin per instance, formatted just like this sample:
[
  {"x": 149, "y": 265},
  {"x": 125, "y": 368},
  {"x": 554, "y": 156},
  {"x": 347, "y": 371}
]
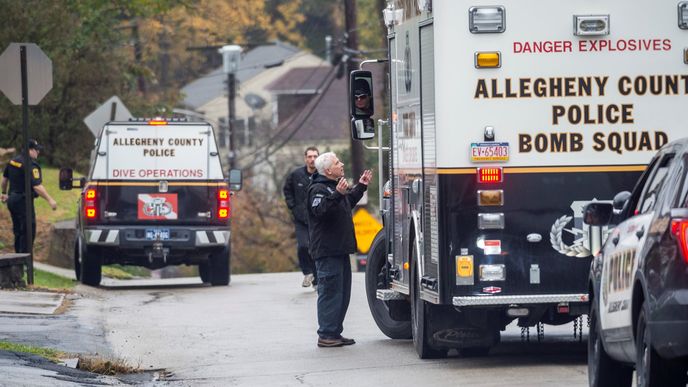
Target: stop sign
[{"x": 39, "y": 73}]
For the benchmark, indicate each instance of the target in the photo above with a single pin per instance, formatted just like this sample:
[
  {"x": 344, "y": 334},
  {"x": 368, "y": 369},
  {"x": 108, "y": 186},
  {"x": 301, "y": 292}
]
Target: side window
[
  {"x": 652, "y": 189},
  {"x": 632, "y": 203}
]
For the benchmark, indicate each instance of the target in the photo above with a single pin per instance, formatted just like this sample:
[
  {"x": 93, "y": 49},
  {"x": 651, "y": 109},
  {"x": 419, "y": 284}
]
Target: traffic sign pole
[{"x": 28, "y": 190}]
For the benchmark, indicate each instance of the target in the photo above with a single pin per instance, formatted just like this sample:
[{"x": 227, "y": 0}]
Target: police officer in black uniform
[
  {"x": 296, "y": 195},
  {"x": 13, "y": 176}
]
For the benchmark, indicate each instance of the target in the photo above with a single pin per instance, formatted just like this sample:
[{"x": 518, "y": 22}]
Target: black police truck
[{"x": 155, "y": 196}]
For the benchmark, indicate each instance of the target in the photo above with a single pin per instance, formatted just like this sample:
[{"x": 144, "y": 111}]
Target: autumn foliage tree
[
  {"x": 143, "y": 51},
  {"x": 263, "y": 237}
]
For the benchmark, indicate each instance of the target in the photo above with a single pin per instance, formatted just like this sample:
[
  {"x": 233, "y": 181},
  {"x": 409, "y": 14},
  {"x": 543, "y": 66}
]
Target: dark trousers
[
  {"x": 16, "y": 204},
  {"x": 306, "y": 263},
  {"x": 334, "y": 294}
]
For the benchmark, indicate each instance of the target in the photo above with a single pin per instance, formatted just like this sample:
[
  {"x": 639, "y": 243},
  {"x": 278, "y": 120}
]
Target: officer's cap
[
  {"x": 361, "y": 87},
  {"x": 33, "y": 144}
]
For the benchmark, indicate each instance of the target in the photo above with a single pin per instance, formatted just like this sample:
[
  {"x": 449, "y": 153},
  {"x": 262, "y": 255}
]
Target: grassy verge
[
  {"x": 48, "y": 353},
  {"x": 45, "y": 280},
  {"x": 87, "y": 363},
  {"x": 66, "y": 200}
]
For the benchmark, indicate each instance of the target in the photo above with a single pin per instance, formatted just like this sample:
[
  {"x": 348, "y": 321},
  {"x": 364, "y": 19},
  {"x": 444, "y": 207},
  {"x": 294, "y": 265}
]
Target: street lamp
[{"x": 231, "y": 56}]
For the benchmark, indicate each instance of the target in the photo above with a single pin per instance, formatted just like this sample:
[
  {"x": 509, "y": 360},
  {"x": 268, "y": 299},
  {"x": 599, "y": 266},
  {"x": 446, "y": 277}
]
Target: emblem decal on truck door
[
  {"x": 157, "y": 206},
  {"x": 587, "y": 239}
]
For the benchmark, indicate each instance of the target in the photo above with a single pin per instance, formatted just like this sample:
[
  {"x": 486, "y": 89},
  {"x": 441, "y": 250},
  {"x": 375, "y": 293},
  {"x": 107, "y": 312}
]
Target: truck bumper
[
  {"x": 135, "y": 237},
  {"x": 518, "y": 299}
]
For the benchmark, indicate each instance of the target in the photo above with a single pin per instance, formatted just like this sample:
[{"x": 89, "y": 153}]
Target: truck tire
[
  {"x": 375, "y": 271},
  {"x": 219, "y": 267},
  {"x": 652, "y": 370},
  {"x": 419, "y": 316},
  {"x": 204, "y": 271},
  {"x": 91, "y": 265},
  {"x": 78, "y": 253},
  {"x": 602, "y": 369}
]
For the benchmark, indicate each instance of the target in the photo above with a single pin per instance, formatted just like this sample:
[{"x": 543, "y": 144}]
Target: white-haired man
[{"x": 332, "y": 239}]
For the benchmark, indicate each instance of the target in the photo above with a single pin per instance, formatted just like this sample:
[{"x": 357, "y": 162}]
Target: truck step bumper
[
  {"x": 518, "y": 299},
  {"x": 389, "y": 295}
]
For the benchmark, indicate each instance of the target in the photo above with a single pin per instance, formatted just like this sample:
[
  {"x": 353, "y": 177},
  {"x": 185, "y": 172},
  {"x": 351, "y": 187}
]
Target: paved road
[{"x": 260, "y": 331}]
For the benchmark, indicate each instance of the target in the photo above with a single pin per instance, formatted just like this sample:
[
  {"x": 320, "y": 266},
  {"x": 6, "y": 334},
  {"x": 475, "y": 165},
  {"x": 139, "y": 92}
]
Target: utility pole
[
  {"x": 231, "y": 55},
  {"x": 138, "y": 56},
  {"x": 164, "y": 43},
  {"x": 352, "y": 44}
]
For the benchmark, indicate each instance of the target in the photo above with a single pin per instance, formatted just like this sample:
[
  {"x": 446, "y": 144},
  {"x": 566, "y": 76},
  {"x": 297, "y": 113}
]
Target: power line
[
  {"x": 300, "y": 125},
  {"x": 324, "y": 86}
]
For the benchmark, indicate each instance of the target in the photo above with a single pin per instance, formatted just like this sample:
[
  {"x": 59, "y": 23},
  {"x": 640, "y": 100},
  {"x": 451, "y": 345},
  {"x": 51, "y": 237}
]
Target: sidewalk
[
  {"x": 62, "y": 272},
  {"x": 34, "y": 302}
]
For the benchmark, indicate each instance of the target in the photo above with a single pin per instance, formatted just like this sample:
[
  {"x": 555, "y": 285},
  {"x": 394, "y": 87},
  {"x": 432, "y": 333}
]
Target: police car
[
  {"x": 639, "y": 279},
  {"x": 155, "y": 195}
]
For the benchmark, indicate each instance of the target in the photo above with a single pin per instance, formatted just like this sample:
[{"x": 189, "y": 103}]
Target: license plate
[
  {"x": 489, "y": 151},
  {"x": 157, "y": 234}
]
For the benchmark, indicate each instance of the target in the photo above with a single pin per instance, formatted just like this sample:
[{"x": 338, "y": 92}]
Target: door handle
[{"x": 640, "y": 233}]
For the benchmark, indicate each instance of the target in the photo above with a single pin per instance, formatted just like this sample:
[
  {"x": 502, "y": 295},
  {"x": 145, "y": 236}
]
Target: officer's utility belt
[{"x": 20, "y": 194}]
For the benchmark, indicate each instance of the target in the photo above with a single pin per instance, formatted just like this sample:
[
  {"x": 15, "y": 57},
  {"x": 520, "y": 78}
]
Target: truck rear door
[{"x": 158, "y": 174}]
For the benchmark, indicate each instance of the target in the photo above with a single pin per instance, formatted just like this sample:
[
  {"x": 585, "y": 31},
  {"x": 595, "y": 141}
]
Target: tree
[
  {"x": 91, "y": 62},
  {"x": 174, "y": 40}
]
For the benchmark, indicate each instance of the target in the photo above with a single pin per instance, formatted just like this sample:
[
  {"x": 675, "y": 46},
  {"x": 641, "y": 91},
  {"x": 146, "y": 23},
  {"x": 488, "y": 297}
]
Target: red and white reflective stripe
[{"x": 492, "y": 289}]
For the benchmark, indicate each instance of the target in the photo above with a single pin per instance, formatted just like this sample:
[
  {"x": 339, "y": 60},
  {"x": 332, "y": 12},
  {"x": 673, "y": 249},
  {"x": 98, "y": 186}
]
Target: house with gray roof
[{"x": 259, "y": 66}]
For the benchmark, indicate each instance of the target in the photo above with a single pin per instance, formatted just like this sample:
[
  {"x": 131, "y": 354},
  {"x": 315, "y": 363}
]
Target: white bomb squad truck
[
  {"x": 155, "y": 196},
  {"x": 505, "y": 120}
]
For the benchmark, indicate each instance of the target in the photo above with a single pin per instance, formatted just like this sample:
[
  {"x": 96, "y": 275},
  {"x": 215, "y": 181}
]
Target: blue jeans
[{"x": 334, "y": 293}]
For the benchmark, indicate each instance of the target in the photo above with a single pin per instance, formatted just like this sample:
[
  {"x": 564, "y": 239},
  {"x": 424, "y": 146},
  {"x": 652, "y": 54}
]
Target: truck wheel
[
  {"x": 652, "y": 370},
  {"x": 602, "y": 369},
  {"x": 204, "y": 271},
  {"x": 78, "y": 253},
  {"x": 91, "y": 264},
  {"x": 419, "y": 317},
  {"x": 375, "y": 272},
  {"x": 219, "y": 267}
]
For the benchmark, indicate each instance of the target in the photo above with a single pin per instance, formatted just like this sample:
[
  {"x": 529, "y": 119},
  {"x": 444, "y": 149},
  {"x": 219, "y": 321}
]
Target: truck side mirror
[
  {"x": 597, "y": 213},
  {"x": 235, "y": 180},
  {"x": 361, "y": 94},
  {"x": 66, "y": 179}
]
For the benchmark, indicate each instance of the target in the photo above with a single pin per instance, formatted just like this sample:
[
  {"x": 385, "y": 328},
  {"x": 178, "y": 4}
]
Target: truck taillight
[
  {"x": 679, "y": 228},
  {"x": 223, "y": 203},
  {"x": 90, "y": 197},
  {"x": 490, "y": 175}
]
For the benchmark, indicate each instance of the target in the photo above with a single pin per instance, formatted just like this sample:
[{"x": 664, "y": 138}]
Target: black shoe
[
  {"x": 323, "y": 342},
  {"x": 347, "y": 341}
]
